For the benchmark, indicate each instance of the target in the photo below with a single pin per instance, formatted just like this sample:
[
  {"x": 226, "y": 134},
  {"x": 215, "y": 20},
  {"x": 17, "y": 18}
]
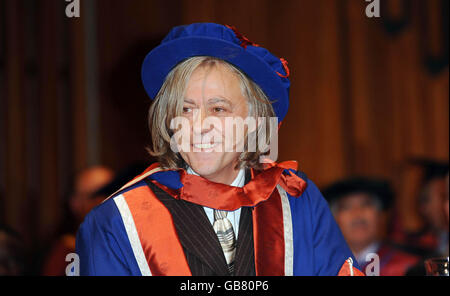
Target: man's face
[
  {"x": 215, "y": 93},
  {"x": 358, "y": 217},
  {"x": 86, "y": 184}
]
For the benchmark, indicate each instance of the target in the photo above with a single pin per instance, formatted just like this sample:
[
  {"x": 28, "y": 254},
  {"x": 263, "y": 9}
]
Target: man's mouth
[
  {"x": 205, "y": 145},
  {"x": 359, "y": 224}
]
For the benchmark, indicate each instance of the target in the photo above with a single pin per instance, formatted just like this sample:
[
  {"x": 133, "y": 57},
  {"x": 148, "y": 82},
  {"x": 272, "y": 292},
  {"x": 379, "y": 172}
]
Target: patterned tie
[{"x": 224, "y": 230}]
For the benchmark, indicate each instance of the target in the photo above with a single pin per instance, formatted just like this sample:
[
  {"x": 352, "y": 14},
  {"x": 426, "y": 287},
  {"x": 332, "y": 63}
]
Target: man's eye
[{"x": 219, "y": 109}]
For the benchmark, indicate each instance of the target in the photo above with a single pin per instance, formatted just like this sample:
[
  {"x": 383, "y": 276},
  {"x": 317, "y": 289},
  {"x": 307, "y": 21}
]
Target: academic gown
[
  {"x": 156, "y": 225},
  {"x": 393, "y": 261}
]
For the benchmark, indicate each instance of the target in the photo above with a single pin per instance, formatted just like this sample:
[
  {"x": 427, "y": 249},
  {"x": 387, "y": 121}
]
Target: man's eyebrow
[
  {"x": 219, "y": 100},
  {"x": 189, "y": 101}
]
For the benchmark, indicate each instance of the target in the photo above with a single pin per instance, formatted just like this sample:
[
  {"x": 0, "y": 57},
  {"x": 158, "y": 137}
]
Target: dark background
[{"x": 367, "y": 94}]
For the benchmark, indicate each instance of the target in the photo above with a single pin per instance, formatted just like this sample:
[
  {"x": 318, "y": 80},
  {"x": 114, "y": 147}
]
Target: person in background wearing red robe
[
  {"x": 357, "y": 205},
  {"x": 432, "y": 239}
]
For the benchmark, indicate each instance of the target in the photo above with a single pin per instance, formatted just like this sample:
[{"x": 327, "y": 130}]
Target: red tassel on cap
[
  {"x": 244, "y": 40},
  {"x": 286, "y": 69}
]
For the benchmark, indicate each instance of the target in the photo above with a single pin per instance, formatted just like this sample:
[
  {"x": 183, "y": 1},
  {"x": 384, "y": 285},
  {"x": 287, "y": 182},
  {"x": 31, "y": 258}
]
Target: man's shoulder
[
  {"x": 302, "y": 175},
  {"x": 311, "y": 191},
  {"x": 311, "y": 199},
  {"x": 109, "y": 210}
]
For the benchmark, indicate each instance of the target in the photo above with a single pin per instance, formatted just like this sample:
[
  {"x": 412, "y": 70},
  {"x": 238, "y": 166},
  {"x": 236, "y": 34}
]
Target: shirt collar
[{"x": 361, "y": 257}]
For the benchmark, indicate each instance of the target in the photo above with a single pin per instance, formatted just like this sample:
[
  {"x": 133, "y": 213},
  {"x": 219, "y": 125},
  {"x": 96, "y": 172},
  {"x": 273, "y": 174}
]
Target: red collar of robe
[{"x": 201, "y": 191}]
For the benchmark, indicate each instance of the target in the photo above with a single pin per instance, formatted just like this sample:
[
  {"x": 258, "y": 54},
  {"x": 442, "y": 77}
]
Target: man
[
  {"x": 431, "y": 209},
  {"x": 447, "y": 193},
  {"x": 357, "y": 205},
  {"x": 214, "y": 204},
  {"x": 431, "y": 240},
  {"x": 81, "y": 201},
  {"x": 87, "y": 183}
]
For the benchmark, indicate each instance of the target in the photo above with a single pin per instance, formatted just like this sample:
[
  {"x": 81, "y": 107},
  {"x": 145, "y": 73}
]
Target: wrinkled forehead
[{"x": 215, "y": 83}]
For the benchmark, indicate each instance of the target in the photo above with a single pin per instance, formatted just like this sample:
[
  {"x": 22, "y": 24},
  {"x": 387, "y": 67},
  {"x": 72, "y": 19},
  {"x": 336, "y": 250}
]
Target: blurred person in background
[
  {"x": 446, "y": 206},
  {"x": 357, "y": 205},
  {"x": 82, "y": 200},
  {"x": 12, "y": 253},
  {"x": 88, "y": 182},
  {"x": 431, "y": 200},
  {"x": 431, "y": 240},
  {"x": 121, "y": 178}
]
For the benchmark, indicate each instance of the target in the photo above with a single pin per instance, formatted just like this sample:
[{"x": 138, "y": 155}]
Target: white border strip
[
  {"x": 133, "y": 236},
  {"x": 288, "y": 233}
]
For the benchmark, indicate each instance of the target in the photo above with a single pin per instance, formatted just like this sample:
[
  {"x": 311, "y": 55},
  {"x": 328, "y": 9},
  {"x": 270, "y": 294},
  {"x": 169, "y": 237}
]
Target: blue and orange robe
[{"x": 155, "y": 225}]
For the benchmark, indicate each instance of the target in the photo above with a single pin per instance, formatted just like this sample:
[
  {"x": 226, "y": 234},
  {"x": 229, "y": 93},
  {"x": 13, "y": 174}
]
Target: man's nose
[
  {"x": 356, "y": 211},
  {"x": 198, "y": 119}
]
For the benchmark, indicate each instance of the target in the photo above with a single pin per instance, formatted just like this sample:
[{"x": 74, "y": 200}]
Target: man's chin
[{"x": 205, "y": 169}]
